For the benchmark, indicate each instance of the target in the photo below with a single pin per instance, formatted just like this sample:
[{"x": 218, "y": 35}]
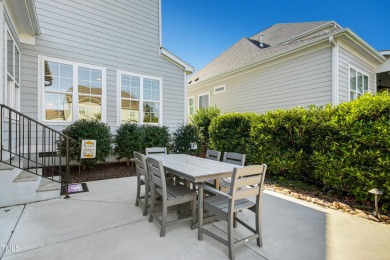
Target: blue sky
[{"x": 200, "y": 30}]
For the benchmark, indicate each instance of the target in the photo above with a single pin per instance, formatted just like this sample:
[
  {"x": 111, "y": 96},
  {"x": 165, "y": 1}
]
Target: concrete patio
[{"x": 104, "y": 224}]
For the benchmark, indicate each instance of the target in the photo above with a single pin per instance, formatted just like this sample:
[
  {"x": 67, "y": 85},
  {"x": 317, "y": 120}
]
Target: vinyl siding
[
  {"x": 119, "y": 35},
  {"x": 300, "y": 81},
  {"x": 346, "y": 58}
]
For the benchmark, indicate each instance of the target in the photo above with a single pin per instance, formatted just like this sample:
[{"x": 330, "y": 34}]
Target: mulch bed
[{"x": 102, "y": 171}]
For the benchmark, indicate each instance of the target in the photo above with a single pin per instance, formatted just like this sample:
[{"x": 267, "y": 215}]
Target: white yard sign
[{"x": 88, "y": 149}]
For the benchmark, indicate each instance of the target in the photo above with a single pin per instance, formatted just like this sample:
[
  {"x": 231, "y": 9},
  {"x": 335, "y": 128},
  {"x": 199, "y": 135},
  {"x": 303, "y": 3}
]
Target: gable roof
[
  {"x": 282, "y": 32},
  {"x": 277, "y": 39}
]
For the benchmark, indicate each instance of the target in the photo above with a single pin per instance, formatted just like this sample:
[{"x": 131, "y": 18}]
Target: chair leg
[
  {"x": 230, "y": 235},
  {"x": 138, "y": 192},
  {"x": 234, "y": 220},
  {"x": 164, "y": 217},
  {"x": 258, "y": 229},
  {"x": 152, "y": 197},
  {"x": 193, "y": 210},
  {"x": 146, "y": 199}
]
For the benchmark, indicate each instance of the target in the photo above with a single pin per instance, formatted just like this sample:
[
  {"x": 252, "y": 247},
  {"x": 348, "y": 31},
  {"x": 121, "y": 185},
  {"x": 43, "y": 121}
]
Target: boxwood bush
[
  {"x": 129, "y": 138},
  {"x": 182, "y": 139},
  {"x": 356, "y": 154},
  {"x": 231, "y": 133},
  {"x": 155, "y": 136},
  {"x": 88, "y": 129}
]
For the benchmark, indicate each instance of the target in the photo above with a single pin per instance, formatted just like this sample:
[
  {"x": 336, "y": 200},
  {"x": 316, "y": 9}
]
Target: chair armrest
[{"x": 215, "y": 191}]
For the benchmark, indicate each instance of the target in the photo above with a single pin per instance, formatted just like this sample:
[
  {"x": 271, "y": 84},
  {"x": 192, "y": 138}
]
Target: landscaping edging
[{"x": 335, "y": 205}]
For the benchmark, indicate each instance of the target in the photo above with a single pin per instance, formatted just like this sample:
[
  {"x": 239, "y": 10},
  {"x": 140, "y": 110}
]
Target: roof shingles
[{"x": 247, "y": 52}]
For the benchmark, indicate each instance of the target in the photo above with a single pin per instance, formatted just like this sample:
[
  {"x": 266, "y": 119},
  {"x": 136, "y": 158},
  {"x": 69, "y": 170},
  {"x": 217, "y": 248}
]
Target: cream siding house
[{"x": 287, "y": 65}]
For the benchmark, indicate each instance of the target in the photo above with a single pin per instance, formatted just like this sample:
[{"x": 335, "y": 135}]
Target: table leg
[{"x": 200, "y": 212}]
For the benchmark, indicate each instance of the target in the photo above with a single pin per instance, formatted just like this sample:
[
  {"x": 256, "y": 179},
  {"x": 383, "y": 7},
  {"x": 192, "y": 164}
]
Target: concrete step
[
  {"x": 4, "y": 166},
  {"x": 25, "y": 176},
  {"x": 49, "y": 185},
  {"x": 18, "y": 187}
]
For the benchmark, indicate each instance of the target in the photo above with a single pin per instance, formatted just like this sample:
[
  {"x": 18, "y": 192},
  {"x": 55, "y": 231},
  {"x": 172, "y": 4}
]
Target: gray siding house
[
  {"x": 289, "y": 65},
  {"x": 67, "y": 60}
]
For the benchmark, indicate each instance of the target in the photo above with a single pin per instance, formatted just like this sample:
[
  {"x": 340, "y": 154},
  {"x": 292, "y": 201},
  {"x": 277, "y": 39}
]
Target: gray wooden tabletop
[{"x": 193, "y": 168}]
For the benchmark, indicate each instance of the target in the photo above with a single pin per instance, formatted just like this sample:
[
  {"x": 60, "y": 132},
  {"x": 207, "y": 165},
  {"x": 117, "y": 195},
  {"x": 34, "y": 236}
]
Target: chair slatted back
[
  {"x": 155, "y": 150},
  {"x": 213, "y": 155},
  {"x": 234, "y": 158},
  {"x": 140, "y": 165},
  {"x": 247, "y": 181},
  {"x": 156, "y": 172}
]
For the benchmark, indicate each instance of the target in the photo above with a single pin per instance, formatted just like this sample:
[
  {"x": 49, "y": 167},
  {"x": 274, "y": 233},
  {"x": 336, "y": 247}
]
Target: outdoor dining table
[{"x": 195, "y": 169}]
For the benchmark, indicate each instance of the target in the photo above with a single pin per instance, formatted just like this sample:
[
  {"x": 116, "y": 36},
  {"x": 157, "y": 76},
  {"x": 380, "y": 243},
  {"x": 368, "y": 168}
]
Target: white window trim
[
  {"x": 141, "y": 100},
  {"x": 349, "y": 80},
  {"x": 188, "y": 100},
  {"x": 203, "y": 94},
  {"x": 7, "y": 76},
  {"x": 41, "y": 92},
  {"x": 220, "y": 91}
]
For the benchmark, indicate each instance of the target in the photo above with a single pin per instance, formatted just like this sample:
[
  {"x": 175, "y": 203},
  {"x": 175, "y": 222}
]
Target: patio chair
[
  {"x": 213, "y": 155},
  {"x": 155, "y": 150},
  {"x": 233, "y": 158},
  {"x": 246, "y": 182},
  {"x": 171, "y": 195},
  {"x": 142, "y": 179}
]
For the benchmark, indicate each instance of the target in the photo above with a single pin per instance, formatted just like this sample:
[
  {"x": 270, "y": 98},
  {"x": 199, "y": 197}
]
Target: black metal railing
[{"x": 35, "y": 147}]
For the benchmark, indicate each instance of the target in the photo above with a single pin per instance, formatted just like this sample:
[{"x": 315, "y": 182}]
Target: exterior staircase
[
  {"x": 18, "y": 186},
  {"x": 34, "y": 159}
]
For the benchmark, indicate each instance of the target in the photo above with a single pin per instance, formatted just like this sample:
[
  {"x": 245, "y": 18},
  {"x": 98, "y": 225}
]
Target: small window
[
  {"x": 191, "y": 106},
  {"x": 358, "y": 83},
  {"x": 220, "y": 89},
  {"x": 204, "y": 100}
]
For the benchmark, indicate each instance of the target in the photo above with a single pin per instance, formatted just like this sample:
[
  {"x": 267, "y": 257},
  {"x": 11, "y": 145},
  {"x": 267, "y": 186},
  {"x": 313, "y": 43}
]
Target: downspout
[
  {"x": 159, "y": 26},
  {"x": 335, "y": 71}
]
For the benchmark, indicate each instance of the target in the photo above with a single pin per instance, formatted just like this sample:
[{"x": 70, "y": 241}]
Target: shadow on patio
[{"x": 104, "y": 223}]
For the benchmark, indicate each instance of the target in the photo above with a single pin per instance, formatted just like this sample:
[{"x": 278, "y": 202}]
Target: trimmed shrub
[
  {"x": 129, "y": 138},
  {"x": 155, "y": 136},
  {"x": 88, "y": 129},
  {"x": 231, "y": 133},
  {"x": 283, "y": 140},
  {"x": 183, "y": 137},
  {"x": 356, "y": 155},
  {"x": 201, "y": 120}
]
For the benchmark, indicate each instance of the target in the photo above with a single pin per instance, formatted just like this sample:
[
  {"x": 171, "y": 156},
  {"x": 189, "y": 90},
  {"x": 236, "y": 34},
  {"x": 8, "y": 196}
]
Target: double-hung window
[
  {"x": 204, "y": 100},
  {"x": 72, "y": 91},
  {"x": 139, "y": 98},
  {"x": 191, "y": 106},
  {"x": 358, "y": 83},
  {"x": 12, "y": 88}
]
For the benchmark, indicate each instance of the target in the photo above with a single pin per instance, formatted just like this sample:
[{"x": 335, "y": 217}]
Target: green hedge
[
  {"x": 231, "y": 132},
  {"x": 355, "y": 157},
  {"x": 128, "y": 138},
  {"x": 202, "y": 120},
  {"x": 88, "y": 129},
  {"x": 284, "y": 140},
  {"x": 131, "y": 137},
  {"x": 344, "y": 148},
  {"x": 182, "y": 139},
  {"x": 155, "y": 136}
]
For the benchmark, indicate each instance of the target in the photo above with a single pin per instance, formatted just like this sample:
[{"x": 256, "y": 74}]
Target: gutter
[
  {"x": 176, "y": 60},
  {"x": 33, "y": 16},
  {"x": 331, "y": 39}
]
